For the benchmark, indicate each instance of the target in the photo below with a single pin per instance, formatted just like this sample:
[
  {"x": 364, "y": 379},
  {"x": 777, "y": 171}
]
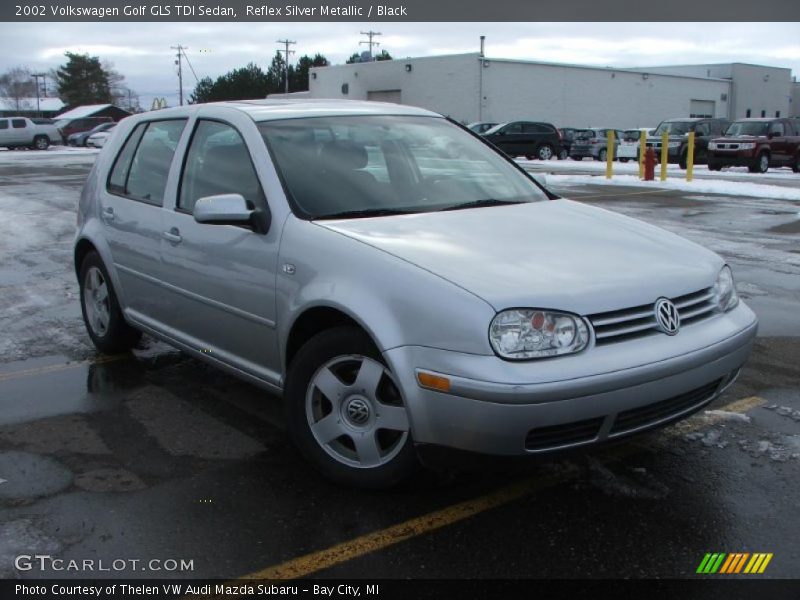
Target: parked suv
[
  {"x": 567, "y": 137},
  {"x": 757, "y": 144},
  {"x": 399, "y": 297},
  {"x": 21, "y": 132},
  {"x": 526, "y": 138},
  {"x": 593, "y": 143},
  {"x": 678, "y": 130}
]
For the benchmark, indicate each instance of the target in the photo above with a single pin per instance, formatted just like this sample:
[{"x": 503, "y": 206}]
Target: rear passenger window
[
  {"x": 149, "y": 168},
  {"x": 218, "y": 162},
  {"x": 3, "y": 124},
  {"x": 119, "y": 173},
  {"x": 18, "y": 123}
]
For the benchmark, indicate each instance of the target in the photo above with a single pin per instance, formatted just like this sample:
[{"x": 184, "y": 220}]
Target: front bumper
[
  {"x": 732, "y": 159},
  {"x": 521, "y": 408}
]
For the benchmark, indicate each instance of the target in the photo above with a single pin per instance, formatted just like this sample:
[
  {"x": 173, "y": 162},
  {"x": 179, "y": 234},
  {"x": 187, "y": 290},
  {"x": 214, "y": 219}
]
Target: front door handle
[
  {"x": 173, "y": 236},
  {"x": 108, "y": 214}
]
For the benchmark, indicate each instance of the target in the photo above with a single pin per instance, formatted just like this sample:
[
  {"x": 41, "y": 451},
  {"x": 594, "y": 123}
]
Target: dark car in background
[
  {"x": 79, "y": 139},
  {"x": 757, "y": 144},
  {"x": 567, "y": 137},
  {"x": 593, "y": 143},
  {"x": 531, "y": 139},
  {"x": 69, "y": 126},
  {"x": 705, "y": 129}
]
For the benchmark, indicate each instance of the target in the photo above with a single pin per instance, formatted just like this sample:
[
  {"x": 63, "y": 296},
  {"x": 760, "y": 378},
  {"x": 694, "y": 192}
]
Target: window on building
[
  {"x": 763, "y": 114},
  {"x": 748, "y": 113},
  {"x": 777, "y": 114}
]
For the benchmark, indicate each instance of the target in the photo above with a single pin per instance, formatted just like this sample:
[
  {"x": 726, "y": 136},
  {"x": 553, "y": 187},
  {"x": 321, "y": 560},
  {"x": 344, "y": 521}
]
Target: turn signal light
[{"x": 434, "y": 382}]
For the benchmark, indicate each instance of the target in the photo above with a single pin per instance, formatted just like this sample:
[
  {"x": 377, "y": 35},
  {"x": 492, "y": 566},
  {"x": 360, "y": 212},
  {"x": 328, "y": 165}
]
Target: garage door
[
  {"x": 384, "y": 96},
  {"x": 701, "y": 108}
]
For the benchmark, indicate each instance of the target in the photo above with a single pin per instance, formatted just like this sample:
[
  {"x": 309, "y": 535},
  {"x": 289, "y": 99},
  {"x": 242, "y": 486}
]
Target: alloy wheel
[{"x": 96, "y": 301}]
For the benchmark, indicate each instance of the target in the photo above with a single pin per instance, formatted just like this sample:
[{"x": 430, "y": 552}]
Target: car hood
[
  {"x": 554, "y": 254},
  {"x": 740, "y": 138}
]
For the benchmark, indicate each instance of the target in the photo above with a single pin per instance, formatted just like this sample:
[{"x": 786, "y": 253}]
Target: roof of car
[
  {"x": 265, "y": 110},
  {"x": 693, "y": 119},
  {"x": 760, "y": 119}
]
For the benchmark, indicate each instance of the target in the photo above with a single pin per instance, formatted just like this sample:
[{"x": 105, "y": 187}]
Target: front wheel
[
  {"x": 762, "y": 164},
  {"x": 101, "y": 310},
  {"x": 545, "y": 152},
  {"x": 563, "y": 155},
  {"x": 345, "y": 411},
  {"x": 624, "y": 160},
  {"x": 796, "y": 165},
  {"x": 602, "y": 155}
]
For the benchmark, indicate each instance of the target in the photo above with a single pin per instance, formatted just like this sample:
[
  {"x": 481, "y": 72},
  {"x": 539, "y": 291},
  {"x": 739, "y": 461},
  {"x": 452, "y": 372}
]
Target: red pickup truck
[{"x": 757, "y": 144}]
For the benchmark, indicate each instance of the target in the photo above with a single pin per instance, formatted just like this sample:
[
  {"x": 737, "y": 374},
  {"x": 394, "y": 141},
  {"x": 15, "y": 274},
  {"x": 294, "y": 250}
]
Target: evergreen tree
[{"x": 83, "y": 80}]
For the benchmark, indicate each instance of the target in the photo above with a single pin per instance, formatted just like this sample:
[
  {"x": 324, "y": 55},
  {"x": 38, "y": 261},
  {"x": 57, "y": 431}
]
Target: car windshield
[
  {"x": 495, "y": 129},
  {"x": 586, "y": 134},
  {"x": 674, "y": 127},
  {"x": 631, "y": 135},
  {"x": 61, "y": 123},
  {"x": 339, "y": 167},
  {"x": 747, "y": 128}
]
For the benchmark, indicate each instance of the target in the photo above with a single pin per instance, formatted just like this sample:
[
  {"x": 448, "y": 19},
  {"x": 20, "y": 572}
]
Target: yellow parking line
[
  {"x": 62, "y": 367},
  {"x": 324, "y": 559}
]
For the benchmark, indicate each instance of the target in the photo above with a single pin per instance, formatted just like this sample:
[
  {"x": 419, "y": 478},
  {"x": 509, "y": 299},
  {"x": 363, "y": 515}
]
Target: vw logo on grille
[
  {"x": 667, "y": 317},
  {"x": 358, "y": 411}
]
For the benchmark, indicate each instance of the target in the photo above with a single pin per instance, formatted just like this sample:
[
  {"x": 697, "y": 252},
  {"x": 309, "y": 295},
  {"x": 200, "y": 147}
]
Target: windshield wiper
[
  {"x": 365, "y": 212},
  {"x": 481, "y": 203}
]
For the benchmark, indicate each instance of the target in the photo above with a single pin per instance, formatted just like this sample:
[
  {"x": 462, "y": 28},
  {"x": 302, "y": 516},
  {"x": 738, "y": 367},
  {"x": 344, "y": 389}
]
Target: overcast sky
[{"x": 141, "y": 51}]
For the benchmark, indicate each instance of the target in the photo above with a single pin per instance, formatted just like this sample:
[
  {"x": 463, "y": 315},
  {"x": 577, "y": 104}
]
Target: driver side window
[{"x": 218, "y": 162}]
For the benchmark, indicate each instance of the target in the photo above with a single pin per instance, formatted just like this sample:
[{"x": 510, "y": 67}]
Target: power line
[
  {"x": 287, "y": 52},
  {"x": 370, "y": 34}
]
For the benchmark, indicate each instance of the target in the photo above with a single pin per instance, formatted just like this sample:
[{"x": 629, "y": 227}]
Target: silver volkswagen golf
[{"x": 402, "y": 284}]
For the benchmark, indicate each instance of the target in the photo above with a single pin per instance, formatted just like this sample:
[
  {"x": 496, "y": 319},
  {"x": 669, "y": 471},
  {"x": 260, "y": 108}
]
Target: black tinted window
[
  {"x": 18, "y": 123},
  {"x": 3, "y": 124},
  {"x": 513, "y": 128},
  {"x": 119, "y": 174},
  {"x": 535, "y": 128},
  {"x": 150, "y": 166},
  {"x": 218, "y": 162}
]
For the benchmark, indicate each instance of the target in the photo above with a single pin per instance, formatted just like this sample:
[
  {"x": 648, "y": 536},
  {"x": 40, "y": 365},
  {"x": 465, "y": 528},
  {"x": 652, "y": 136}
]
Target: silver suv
[{"x": 400, "y": 296}]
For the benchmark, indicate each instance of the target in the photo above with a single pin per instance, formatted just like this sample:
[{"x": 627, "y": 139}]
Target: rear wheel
[
  {"x": 101, "y": 310},
  {"x": 624, "y": 159},
  {"x": 796, "y": 165},
  {"x": 683, "y": 160},
  {"x": 40, "y": 142},
  {"x": 345, "y": 411},
  {"x": 602, "y": 155},
  {"x": 545, "y": 152},
  {"x": 714, "y": 167}
]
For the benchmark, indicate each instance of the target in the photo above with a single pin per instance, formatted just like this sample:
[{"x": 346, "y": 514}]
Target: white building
[{"x": 470, "y": 87}]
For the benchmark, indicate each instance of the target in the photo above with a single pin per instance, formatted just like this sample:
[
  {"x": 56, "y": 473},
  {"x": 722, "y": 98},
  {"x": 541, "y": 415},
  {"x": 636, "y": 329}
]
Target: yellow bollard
[
  {"x": 664, "y": 155},
  {"x": 690, "y": 157},
  {"x": 642, "y": 150},
  {"x": 610, "y": 153}
]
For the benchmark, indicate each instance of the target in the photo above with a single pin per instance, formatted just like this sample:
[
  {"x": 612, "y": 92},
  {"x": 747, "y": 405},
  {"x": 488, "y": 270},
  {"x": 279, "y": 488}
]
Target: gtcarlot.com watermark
[{"x": 45, "y": 563}]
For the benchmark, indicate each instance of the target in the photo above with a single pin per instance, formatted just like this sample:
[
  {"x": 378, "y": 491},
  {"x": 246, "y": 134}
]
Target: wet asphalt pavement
[{"x": 157, "y": 456}]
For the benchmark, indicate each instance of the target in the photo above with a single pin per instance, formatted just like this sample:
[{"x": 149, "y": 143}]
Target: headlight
[
  {"x": 725, "y": 295},
  {"x": 530, "y": 333},
  {"x": 712, "y": 145},
  {"x": 746, "y": 146},
  {"x": 673, "y": 144}
]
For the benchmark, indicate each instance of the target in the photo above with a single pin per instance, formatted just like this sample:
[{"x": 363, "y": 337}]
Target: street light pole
[
  {"x": 287, "y": 52},
  {"x": 35, "y": 77}
]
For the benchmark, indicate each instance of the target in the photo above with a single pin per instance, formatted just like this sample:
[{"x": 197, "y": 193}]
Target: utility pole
[
  {"x": 36, "y": 79},
  {"x": 286, "y": 53},
  {"x": 370, "y": 34},
  {"x": 179, "y": 62}
]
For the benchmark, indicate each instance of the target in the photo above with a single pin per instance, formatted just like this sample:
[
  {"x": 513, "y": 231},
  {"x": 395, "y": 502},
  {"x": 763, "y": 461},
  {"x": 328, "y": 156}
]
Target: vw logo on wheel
[
  {"x": 357, "y": 411},
  {"x": 667, "y": 317}
]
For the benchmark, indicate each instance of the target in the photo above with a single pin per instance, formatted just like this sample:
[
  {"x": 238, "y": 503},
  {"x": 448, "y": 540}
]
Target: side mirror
[{"x": 223, "y": 209}]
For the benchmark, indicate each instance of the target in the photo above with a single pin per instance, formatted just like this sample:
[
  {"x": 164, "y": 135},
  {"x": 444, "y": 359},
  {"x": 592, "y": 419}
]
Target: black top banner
[{"x": 401, "y": 10}]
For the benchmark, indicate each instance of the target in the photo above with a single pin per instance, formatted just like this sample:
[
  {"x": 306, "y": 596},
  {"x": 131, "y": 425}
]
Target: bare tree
[
  {"x": 17, "y": 87},
  {"x": 122, "y": 95}
]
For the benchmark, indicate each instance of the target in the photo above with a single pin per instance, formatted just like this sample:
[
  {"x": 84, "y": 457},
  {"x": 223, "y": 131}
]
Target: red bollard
[{"x": 649, "y": 165}]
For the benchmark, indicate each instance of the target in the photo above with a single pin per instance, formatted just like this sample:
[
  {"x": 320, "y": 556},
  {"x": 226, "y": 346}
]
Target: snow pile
[
  {"x": 724, "y": 415},
  {"x": 785, "y": 411},
  {"x": 709, "y": 186}
]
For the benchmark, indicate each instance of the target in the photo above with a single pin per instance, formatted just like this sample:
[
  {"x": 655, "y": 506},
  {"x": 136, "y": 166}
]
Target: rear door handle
[
  {"x": 108, "y": 214},
  {"x": 173, "y": 236}
]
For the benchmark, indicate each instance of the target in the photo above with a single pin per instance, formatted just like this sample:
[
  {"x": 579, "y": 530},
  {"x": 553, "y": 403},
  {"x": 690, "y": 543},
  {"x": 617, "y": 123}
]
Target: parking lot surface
[{"x": 153, "y": 455}]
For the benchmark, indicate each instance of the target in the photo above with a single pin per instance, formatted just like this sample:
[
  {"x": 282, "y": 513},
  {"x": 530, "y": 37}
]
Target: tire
[
  {"x": 762, "y": 164},
  {"x": 529, "y": 157},
  {"x": 545, "y": 152},
  {"x": 796, "y": 165},
  {"x": 40, "y": 142},
  {"x": 624, "y": 160},
  {"x": 602, "y": 155},
  {"x": 338, "y": 430},
  {"x": 683, "y": 160},
  {"x": 101, "y": 311},
  {"x": 714, "y": 167},
  {"x": 563, "y": 155}
]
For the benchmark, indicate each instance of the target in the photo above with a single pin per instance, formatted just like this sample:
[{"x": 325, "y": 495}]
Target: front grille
[
  {"x": 566, "y": 434},
  {"x": 727, "y": 145},
  {"x": 640, "y": 321},
  {"x": 659, "y": 412}
]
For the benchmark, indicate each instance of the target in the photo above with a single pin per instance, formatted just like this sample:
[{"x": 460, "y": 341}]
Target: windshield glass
[
  {"x": 495, "y": 129},
  {"x": 747, "y": 128},
  {"x": 674, "y": 127},
  {"x": 372, "y": 165},
  {"x": 61, "y": 123},
  {"x": 586, "y": 134}
]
